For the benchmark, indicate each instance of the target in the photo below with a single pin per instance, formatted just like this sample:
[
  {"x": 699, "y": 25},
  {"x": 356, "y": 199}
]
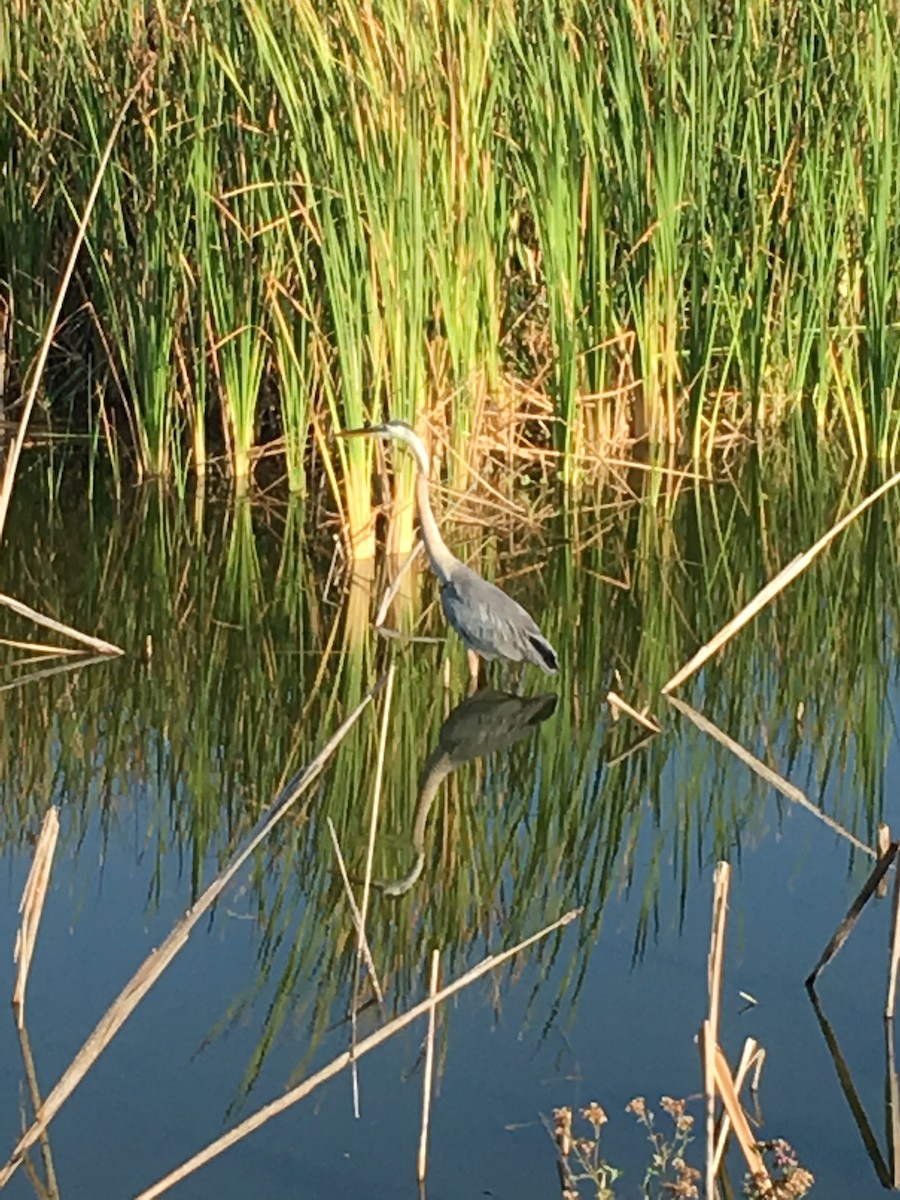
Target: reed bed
[{"x": 542, "y": 232}]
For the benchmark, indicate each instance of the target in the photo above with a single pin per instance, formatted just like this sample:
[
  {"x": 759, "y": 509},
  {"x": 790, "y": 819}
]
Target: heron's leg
[{"x": 474, "y": 671}]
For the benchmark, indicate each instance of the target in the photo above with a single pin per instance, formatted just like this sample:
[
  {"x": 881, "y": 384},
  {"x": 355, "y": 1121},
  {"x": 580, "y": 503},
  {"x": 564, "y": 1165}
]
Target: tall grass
[{"x": 520, "y": 225}]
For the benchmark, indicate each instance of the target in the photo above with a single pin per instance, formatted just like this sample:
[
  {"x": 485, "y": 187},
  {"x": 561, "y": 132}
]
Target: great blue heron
[{"x": 491, "y": 624}]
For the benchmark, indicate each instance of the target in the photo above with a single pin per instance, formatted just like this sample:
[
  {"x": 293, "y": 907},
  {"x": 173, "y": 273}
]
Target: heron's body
[{"x": 491, "y": 624}]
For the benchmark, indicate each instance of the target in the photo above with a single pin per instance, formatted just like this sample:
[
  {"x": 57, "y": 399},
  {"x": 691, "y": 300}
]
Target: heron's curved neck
[{"x": 438, "y": 551}]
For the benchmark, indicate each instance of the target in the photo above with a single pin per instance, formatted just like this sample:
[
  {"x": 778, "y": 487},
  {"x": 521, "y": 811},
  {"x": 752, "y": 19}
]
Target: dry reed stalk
[
  {"x": 376, "y": 794},
  {"x": 157, "y": 961},
  {"x": 632, "y": 749},
  {"x": 845, "y": 1080},
  {"x": 367, "y": 880},
  {"x": 845, "y": 928},
  {"x": 51, "y": 1192},
  {"x": 15, "y": 450},
  {"x": 30, "y": 659},
  {"x": 31, "y": 907},
  {"x": 422, "y": 1161},
  {"x": 92, "y": 643},
  {"x": 895, "y": 949},
  {"x": 325, "y": 666},
  {"x": 71, "y": 664},
  {"x": 394, "y": 588},
  {"x": 784, "y": 577},
  {"x": 708, "y": 1052},
  {"x": 355, "y": 913},
  {"x": 721, "y": 882},
  {"x": 741, "y": 1126},
  {"x": 778, "y": 782},
  {"x": 617, "y": 704},
  {"x": 36, "y": 648},
  {"x": 262, "y": 1115},
  {"x": 751, "y": 1054},
  {"x": 892, "y": 1098}
]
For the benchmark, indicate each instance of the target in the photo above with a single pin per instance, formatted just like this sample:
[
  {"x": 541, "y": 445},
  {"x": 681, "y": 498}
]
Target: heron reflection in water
[
  {"x": 481, "y": 724},
  {"x": 491, "y": 624}
]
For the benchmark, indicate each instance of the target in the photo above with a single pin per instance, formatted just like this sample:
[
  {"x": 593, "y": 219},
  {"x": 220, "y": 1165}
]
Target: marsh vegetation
[
  {"x": 543, "y": 231},
  {"x": 628, "y": 268}
]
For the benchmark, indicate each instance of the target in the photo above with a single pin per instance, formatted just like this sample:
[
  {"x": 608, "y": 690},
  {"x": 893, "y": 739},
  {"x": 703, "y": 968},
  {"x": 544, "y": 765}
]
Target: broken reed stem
[
  {"x": 51, "y": 1191},
  {"x": 31, "y": 907},
  {"x": 37, "y": 648},
  {"x": 394, "y": 588},
  {"x": 721, "y": 881},
  {"x": 338, "y": 1064},
  {"x": 92, "y": 643},
  {"x": 892, "y": 1098},
  {"x": 157, "y": 961},
  {"x": 422, "y": 1162},
  {"x": 376, "y": 798},
  {"x": 367, "y": 880},
  {"x": 778, "y": 782},
  {"x": 742, "y": 1131},
  {"x": 70, "y": 664},
  {"x": 617, "y": 704},
  {"x": 15, "y": 450},
  {"x": 784, "y": 577},
  {"x": 895, "y": 948},
  {"x": 354, "y": 911},
  {"x": 845, "y": 928},
  {"x": 751, "y": 1054}
]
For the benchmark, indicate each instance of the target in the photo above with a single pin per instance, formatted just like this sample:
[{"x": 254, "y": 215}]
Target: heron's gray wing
[{"x": 492, "y": 623}]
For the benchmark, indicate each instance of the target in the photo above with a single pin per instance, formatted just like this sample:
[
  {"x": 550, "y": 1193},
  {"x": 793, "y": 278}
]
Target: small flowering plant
[
  {"x": 667, "y": 1172},
  {"x": 790, "y": 1180},
  {"x": 579, "y": 1158},
  {"x": 581, "y": 1161}
]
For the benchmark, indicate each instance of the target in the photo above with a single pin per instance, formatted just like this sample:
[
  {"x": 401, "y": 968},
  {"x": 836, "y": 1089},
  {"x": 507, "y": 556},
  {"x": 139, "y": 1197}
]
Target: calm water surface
[{"x": 497, "y": 818}]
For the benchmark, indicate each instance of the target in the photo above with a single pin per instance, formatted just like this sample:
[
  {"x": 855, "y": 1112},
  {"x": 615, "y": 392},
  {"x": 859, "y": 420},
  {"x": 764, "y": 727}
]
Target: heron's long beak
[{"x": 366, "y": 431}]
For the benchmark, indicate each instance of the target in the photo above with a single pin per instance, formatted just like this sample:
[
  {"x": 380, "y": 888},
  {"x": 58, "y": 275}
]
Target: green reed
[
  {"x": 665, "y": 220},
  {"x": 516, "y": 221}
]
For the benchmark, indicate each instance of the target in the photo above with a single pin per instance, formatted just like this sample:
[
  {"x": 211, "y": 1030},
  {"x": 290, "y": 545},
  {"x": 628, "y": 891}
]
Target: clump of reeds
[{"x": 552, "y": 228}]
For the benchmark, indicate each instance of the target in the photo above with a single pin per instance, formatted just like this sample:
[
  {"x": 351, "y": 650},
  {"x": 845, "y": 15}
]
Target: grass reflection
[{"x": 260, "y": 648}]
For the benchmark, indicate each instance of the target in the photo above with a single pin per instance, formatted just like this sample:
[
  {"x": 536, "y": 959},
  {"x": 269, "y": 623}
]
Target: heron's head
[{"x": 400, "y": 431}]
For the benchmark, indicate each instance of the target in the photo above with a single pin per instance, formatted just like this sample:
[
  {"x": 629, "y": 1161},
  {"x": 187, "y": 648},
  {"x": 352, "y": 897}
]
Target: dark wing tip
[{"x": 545, "y": 653}]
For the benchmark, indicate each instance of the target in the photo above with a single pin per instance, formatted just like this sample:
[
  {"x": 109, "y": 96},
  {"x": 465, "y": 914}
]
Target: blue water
[{"x": 164, "y": 1088}]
